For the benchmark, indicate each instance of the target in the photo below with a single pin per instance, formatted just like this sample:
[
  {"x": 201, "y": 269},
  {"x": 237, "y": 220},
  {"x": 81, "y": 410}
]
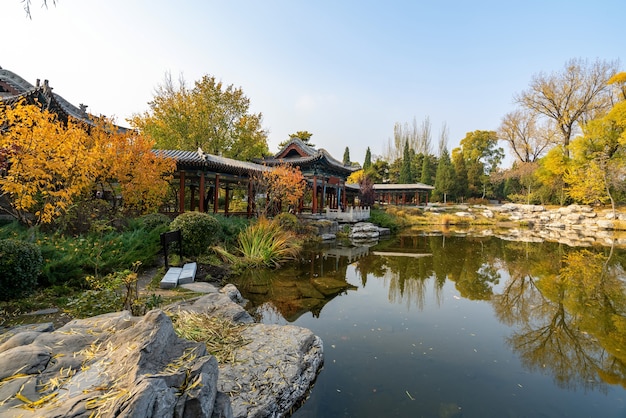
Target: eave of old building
[
  {"x": 311, "y": 161},
  {"x": 14, "y": 89}
]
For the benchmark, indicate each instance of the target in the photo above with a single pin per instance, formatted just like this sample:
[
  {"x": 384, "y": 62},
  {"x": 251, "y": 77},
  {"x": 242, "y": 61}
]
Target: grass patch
[{"x": 266, "y": 243}]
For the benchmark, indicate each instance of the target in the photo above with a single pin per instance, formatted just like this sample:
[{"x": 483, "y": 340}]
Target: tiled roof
[
  {"x": 42, "y": 95},
  {"x": 211, "y": 162},
  {"x": 386, "y": 187},
  {"x": 14, "y": 81},
  {"x": 312, "y": 156}
]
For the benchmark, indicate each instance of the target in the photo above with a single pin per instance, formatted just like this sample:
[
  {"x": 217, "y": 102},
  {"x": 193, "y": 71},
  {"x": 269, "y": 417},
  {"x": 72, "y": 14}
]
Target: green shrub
[
  {"x": 154, "y": 221},
  {"x": 288, "y": 221},
  {"x": 20, "y": 266},
  {"x": 230, "y": 228},
  {"x": 385, "y": 220},
  {"x": 200, "y": 231}
]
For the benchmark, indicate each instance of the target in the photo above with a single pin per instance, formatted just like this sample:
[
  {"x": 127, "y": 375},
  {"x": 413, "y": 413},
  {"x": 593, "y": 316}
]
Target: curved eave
[
  {"x": 191, "y": 160},
  {"x": 413, "y": 187},
  {"x": 321, "y": 162}
]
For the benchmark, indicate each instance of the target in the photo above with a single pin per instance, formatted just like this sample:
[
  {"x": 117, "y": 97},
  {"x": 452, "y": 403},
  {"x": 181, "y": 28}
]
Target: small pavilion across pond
[{"x": 326, "y": 177}]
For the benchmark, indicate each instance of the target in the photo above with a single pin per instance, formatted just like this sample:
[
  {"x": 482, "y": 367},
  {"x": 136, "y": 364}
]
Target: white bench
[{"x": 179, "y": 275}]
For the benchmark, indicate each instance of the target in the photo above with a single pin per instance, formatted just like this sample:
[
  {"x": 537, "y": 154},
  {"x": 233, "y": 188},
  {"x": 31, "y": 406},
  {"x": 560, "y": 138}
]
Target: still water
[{"x": 441, "y": 325}]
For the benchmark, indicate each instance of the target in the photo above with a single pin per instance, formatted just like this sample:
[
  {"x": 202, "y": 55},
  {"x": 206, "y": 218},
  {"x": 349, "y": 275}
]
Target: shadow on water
[{"x": 552, "y": 321}]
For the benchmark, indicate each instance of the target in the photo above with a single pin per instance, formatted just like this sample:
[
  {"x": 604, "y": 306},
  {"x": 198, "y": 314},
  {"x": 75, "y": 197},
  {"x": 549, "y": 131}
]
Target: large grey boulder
[
  {"x": 117, "y": 365},
  {"x": 272, "y": 373},
  {"x": 109, "y": 365}
]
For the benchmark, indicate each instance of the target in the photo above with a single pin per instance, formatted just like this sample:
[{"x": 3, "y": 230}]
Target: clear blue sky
[{"x": 344, "y": 70}]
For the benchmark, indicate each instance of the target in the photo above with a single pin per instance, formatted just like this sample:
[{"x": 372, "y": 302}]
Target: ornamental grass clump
[{"x": 265, "y": 243}]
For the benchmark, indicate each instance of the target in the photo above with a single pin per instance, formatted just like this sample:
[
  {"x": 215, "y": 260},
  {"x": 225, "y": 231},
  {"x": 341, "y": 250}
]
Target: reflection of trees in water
[{"x": 570, "y": 305}]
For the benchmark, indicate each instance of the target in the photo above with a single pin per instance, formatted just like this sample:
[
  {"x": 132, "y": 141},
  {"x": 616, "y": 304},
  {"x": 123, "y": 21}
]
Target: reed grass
[{"x": 266, "y": 243}]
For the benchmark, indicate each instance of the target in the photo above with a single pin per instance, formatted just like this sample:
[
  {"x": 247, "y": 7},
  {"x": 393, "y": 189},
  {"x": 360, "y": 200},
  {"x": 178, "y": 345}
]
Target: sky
[{"x": 344, "y": 70}]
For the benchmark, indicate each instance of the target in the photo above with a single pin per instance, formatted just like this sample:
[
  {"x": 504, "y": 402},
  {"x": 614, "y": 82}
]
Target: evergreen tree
[
  {"x": 460, "y": 169},
  {"x": 445, "y": 178},
  {"x": 346, "y": 156},
  {"x": 406, "y": 171},
  {"x": 426, "y": 177},
  {"x": 368, "y": 159}
]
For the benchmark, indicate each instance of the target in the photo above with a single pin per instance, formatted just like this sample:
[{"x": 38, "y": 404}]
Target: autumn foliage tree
[
  {"x": 284, "y": 186},
  {"x": 129, "y": 165},
  {"x": 209, "y": 115},
  {"x": 46, "y": 164}
]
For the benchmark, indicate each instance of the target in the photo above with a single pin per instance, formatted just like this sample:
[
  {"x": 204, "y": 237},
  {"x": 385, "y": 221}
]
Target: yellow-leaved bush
[{"x": 45, "y": 164}]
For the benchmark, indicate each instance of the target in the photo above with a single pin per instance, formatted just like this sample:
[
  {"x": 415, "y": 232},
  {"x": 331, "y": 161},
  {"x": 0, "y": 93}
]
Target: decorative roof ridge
[
  {"x": 335, "y": 161},
  {"x": 301, "y": 144},
  {"x": 15, "y": 80}
]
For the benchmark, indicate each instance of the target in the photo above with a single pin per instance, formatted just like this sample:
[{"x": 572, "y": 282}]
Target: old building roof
[
  {"x": 309, "y": 159},
  {"x": 214, "y": 163},
  {"x": 14, "y": 88},
  {"x": 412, "y": 187}
]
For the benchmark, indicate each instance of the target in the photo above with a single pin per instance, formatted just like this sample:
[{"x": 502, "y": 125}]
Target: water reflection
[{"x": 565, "y": 307}]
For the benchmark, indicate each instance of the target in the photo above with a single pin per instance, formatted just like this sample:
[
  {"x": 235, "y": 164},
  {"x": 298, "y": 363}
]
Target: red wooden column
[
  {"x": 403, "y": 198},
  {"x": 181, "y": 193},
  {"x": 226, "y": 201},
  {"x": 202, "y": 192},
  {"x": 216, "y": 194},
  {"x": 314, "y": 195},
  {"x": 250, "y": 199},
  {"x": 344, "y": 199},
  {"x": 323, "y": 199}
]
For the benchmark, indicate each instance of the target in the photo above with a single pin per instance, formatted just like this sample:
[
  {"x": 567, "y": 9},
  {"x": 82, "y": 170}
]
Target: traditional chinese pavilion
[{"x": 325, "y": 175}]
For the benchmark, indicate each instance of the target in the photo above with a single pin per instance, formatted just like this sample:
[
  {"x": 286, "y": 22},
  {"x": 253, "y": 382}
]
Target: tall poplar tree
[
  {"x": 445, "y": 178},
  {"x": 426, "y": 177},
  {"x": 406, "y": 171}
]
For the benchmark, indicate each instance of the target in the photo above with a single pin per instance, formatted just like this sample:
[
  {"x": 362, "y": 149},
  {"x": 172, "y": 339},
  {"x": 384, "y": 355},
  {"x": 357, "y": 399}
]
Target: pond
[{"x": 446, "y": 325}]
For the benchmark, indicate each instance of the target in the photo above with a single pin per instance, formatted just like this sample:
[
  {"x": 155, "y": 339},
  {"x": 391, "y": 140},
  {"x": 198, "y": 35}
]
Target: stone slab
[
  {"x": 188, "y": 273},
  {"x": 170, "y": 280}
]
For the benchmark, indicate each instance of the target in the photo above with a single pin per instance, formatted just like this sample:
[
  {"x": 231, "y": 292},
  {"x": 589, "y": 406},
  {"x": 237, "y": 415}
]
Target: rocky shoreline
[
  {"x": 574, "y": 225},
  {"x": 119, "y": 365}
]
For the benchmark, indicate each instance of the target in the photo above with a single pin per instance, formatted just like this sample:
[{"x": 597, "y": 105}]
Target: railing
[{"x": 352, "y": 214}]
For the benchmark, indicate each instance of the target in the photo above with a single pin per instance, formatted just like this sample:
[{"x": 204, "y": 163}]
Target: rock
[
  {"x": 329, "y": 286},
  {"x": 233, "y": 293},
  {"x": 218, "y": 304},
  {"x": 125, "y": 366},
  {"x": 279, "y": 364},
  {"x": 328, "y": 237},
  {"x": 605, "y": 224},
  {"x": 44, "y": 327},
  {"x": 28, "y": 359}
]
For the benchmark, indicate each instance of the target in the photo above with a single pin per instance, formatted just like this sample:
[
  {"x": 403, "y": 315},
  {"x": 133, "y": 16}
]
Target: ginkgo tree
[
  {"x": 46, "y": 164},
  {"x": 598, "y": 165}
]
